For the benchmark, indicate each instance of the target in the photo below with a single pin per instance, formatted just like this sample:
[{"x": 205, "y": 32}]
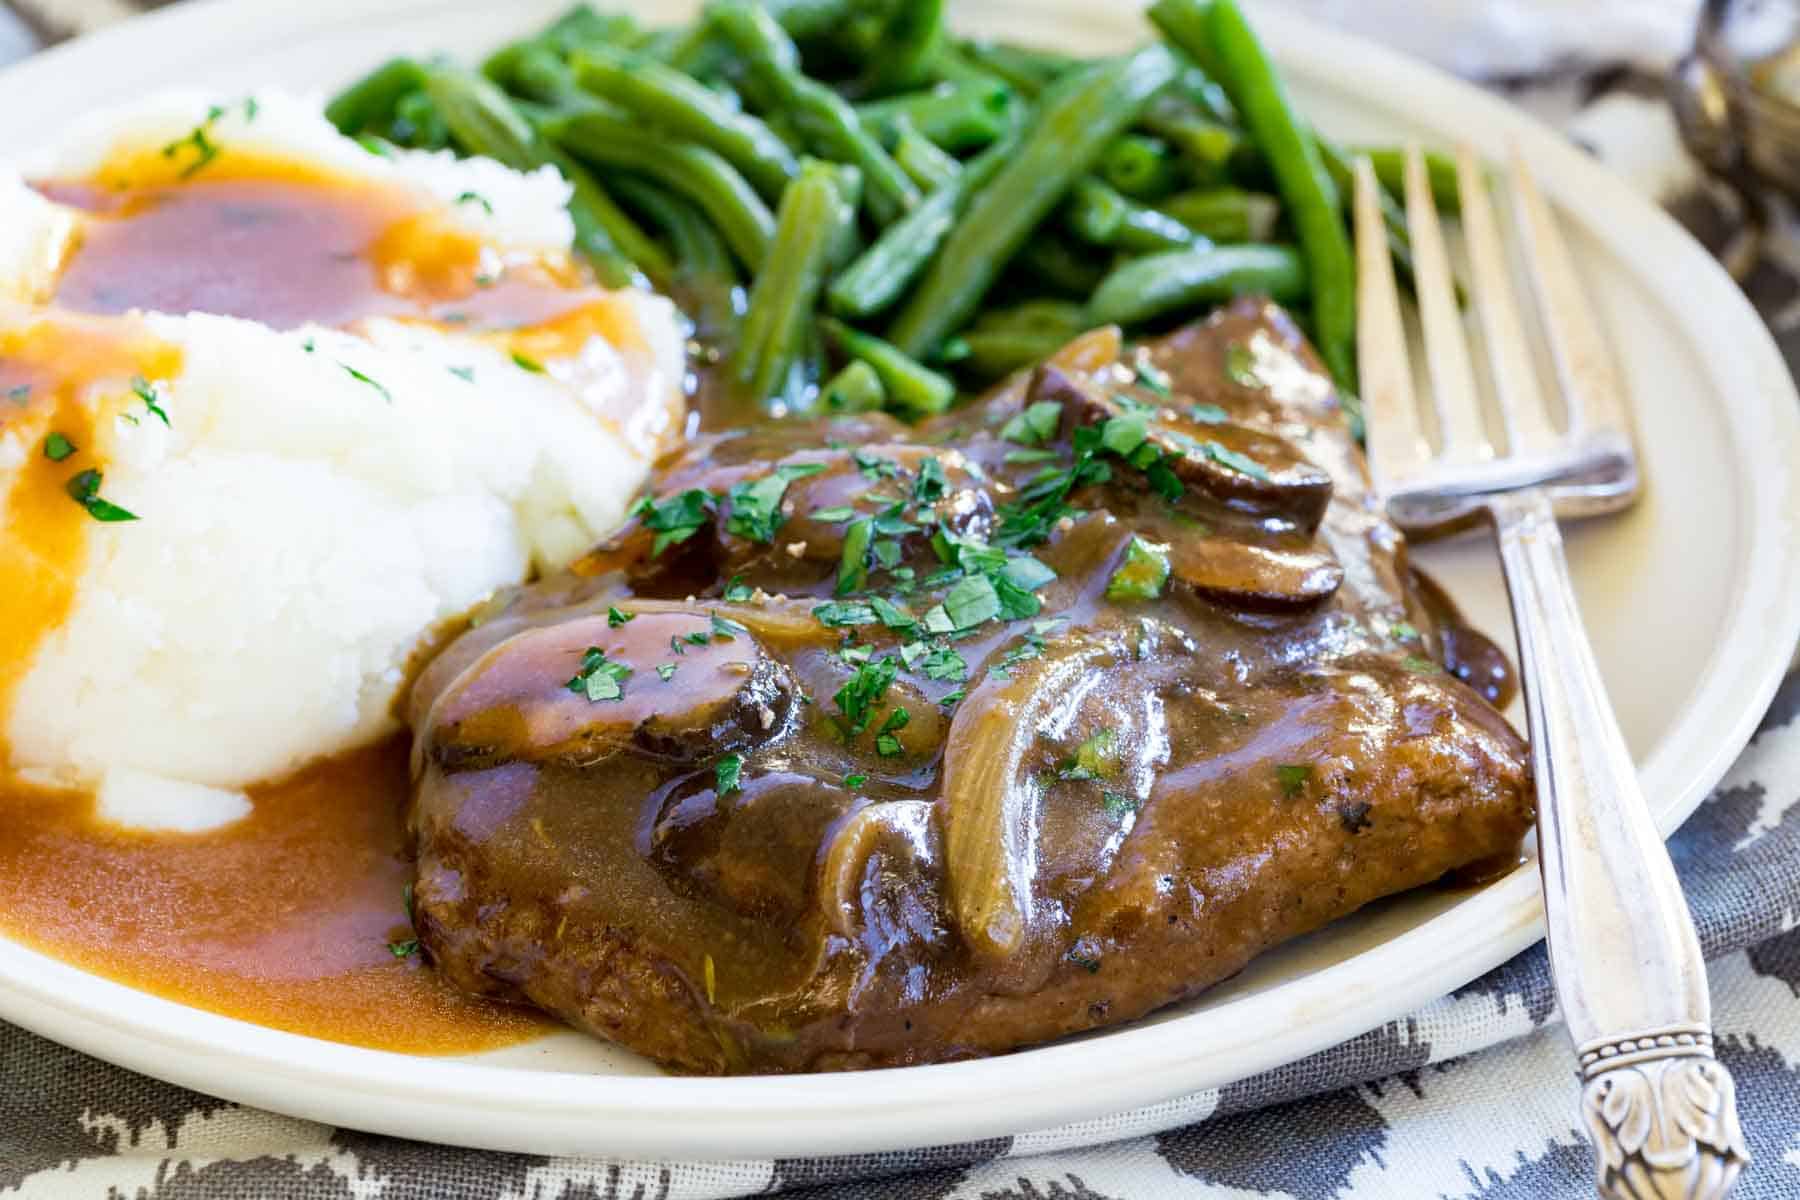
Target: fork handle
[{"x": 1629, "y": 974}]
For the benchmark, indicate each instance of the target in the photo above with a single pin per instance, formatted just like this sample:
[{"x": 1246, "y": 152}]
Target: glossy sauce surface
[{"x": 284, "y": 918}]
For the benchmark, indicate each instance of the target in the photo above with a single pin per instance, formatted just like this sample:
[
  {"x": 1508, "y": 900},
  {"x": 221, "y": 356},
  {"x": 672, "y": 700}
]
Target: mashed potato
[{"x": 310, "y": 502}]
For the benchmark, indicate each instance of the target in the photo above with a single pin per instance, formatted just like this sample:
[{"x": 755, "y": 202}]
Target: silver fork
[{"x": 1661, "y": 1110}]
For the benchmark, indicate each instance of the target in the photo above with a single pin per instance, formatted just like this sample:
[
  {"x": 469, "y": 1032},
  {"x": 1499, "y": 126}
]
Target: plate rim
[{"x": 760, "y": 1116}]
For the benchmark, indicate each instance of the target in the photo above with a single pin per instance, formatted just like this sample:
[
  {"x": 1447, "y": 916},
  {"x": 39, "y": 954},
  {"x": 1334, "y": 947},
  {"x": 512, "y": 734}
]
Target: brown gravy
[{"x": 284, "y": 918}]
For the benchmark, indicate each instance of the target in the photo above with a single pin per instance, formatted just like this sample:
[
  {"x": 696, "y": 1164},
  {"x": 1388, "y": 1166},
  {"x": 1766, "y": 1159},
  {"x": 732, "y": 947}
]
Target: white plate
[{"x": 1693, "y": 601}]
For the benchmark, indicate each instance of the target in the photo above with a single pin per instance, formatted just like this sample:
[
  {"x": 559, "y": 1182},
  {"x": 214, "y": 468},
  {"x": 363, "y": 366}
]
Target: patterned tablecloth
[{"x": 1472, "y": 1096}]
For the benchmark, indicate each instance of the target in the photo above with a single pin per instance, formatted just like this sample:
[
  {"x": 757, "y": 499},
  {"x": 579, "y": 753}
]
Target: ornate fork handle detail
[{"x": 1629, "y": 974}]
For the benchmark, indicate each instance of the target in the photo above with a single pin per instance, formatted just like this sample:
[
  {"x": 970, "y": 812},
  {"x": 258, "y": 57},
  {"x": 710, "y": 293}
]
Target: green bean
[
  {"x": 1059, "y": 264},
  {"x": 921, "y": 159},
  {"x": 1440, "y": 171},
  {"x": 1307, "y": 193},
  {"x": 806, "y": 19},
  {"x": 1225, "y": 214},
  {"x": 582, "y": 26},
  {"x": 1139, "y": 167},
  {"x": 1062, "y": 317},
  {"x": 1209, "y": 146},
  {"x": 825, "y": 119},
  {"x": 1099, "y": 214},
  {"x": 540, "y": 75},
  {"x": 886, "y": 269},
  {"x": 1181, "y": 279},
  {"x": 670, "y": 100},
  {"x": 417, "y": 123},
  {"x": 856, "y": 388},
  {"x": 688, "y": 170},
  {"x": 912, "y": 388},
  {"x": 1079, "y": 117},
  {"x": 603, "y": 230},
  {"x": 1027, "y": 71},
  {"x": 907, "y": 47},
  {"x": 369, "y": 102},
  {"x": 813, "y": 209},
  {"x": 991, "y": 353},
  {"x": 958, "y": 117},
  {"x": 1186, "y": 26},
  {"x": 1202, "y": 91},
  {"x": 699, "y": 251}
]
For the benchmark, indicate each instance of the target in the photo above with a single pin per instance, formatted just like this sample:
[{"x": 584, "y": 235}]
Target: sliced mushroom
[
  {"x": 527, "y": 697},
  {"x": 1259, "y": 578},
  {"x": 1241, "y": 467}
]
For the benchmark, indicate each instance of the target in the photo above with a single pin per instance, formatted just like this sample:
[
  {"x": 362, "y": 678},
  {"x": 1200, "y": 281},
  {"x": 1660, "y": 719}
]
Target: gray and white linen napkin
[{"x": 1471, "y": 1096}]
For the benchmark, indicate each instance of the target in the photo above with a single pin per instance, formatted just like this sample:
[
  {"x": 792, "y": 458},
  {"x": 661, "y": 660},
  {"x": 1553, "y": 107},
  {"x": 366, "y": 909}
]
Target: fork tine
[
  {"x": 1527, "y": 421},
  {"x": 1453, "y": 394},
  {"x": 1583, "y": 366},
  {"x": 1391, "y": 412}
]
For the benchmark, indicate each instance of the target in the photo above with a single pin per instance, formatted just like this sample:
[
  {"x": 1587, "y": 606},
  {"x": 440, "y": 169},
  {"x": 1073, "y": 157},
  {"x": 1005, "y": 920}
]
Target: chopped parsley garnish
[
  {"x": 597, "y": 678},
  {"x": 1117, "y": 804},
  {"x": 1142, "y": 574},
  {"x": 1293, "y": 778},
  {"x": 84, "y": 489},
  {"x": 1240, "y": 366},
  {"x": 1421, "y": 665},
  {"x": 855, "y": 780},
  {"x": 955, "y": 697},
  {"x": 57, "y": 447},
  {"x": 675, "y": 519},
  {"x": 727, "y": 775},
  {"x": 1095, "y": 758},
  {"x": 665, "y": 671},
  {"x": 1404, "y": 631},
  {"x": 1152, "y": 377},
  {"x": 616, "y": 617},
  {"x": 839, "y": 614},
  {"x": 476, "y": 198},
  {"x": 307, "y": 344},
  {"x": 675, "y": 646},
  {"x": 945, "y": 664},
  {"x": 723, "y": 628},
  {"x": 1035, "y": 424},
  {"x": 1237, "y": 462},
  {"x": 894, "y": 616},
  {"x": 886, "y": 744},
  {"x": 1124, "y": 434},
  {"x": 929, "y": 484},
  {"x": 205, "y": 149},
  {"x": 1015, "y": 458},
  {"x": 361, "y": 378},
  {"x": 466, "y": 374},
  {"x": 527, "y": 363},
  {"x": 404, "y": 949},
  {"x": 887, "y": 552},
  {"x": 863, "y": 691},
  {"x": 1090, "y": 965},
  {"x": 146, "y": 391},
  {"x": 971, "y": 602},
  {"x": 737, "y": 591},
  {"x": 834, "y": 514},
  {"x": 873, "y": 466},
  {"x": 1024, "y": 571},
  {"x": 756, "y": 506},
  {"x": 912, "y": 652},
  {"x": 1207, "y": 414},
  {"x": 853, "y": 562},
  {"x": 1043, "y": 501}
]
